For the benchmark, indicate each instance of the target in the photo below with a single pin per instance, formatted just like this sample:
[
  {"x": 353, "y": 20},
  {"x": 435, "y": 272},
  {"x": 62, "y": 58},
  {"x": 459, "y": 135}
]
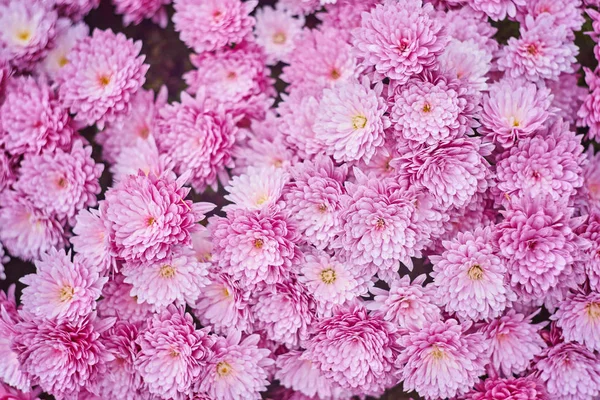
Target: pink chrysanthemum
[
  {"x": 28, "y": 31},
  {"x": 284, "y": 312},
  {"x": 256, "y": 189},
  {"x": 62, "y": 357},
  {"x": 590, "y": 232},
  {"x": 589, "y": 112},
  {"x": 26, "y": 231},
  {"x": 350, "y": 121},
  {"x": 570, "y": 371},
  {"x": 128, "y": 129},
  {"x": 254, "y": 246},
  {"x": 537, "y": 240},
  {"x": 498, "y": 9},
  {"x": 324, "y": 60},
  {"x": 61, "y": 182},
  {"x": 32, "y": 119},
  {"x": 464, "y": 24},
  {"x": 430, "y": 109},
  {"x": 355, "y": 350},
  {"x": 546, "y": 164},
  {"x": 237, "y": 368},
  {"x": 235, "y": 77},
  {"x": 345, "y": 15},
  {"x": 568, "y": 96},
  {"x": 312, "y": 199},
  {"x": 198, "y": 136},
  {"x": 452, "y": 171},
  {"x": 543, "y": 51},
  {"x": 172, "y": 353},
  {"x": 8, "y": 168},
  {"x": 513, "y": 110},
  {"x": 10, "y": 393},
  {"x": 579, "y": 317},
  {"x": 117, "y": 302},
  {"x": 176, "y": 278},
  {"x": 57, "y": 57},
  {"x": 143, "y": 156},
  {"x": 262, "y": 152},
  {"x": 299, "y": 374},
  {"x": 525, "y": 388},
  {"x": 399, "y": 39},
  {"x": 277, "y": 32},
  {"x": 10, "y": 369},
  {"x": 91, "y": 240},
  {"x": 330, "y": 282},
  {"x": 224, "y": 306},
  {"x": 103, "y": 73},
  {"x": 76, "y": 9},
  {"x": 135, "y": 11},
  {"x": 513, "y": 341},
  {"x": 441, "y": 360},
  {"x": 469, "y": 277},
  {"x": 469, "y": 63},
  {"x": 61, "y": 288},
  {"x": 566, "y": 13},
  {"x": 146, "y": 215},
  {"x": 300, "y": 7},
  {"x": 408, "y": 305},
  {"x": 207, "y": 25}
]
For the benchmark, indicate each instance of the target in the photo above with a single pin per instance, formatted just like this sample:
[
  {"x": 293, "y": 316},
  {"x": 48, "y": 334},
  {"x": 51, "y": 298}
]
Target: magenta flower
[
  {"x": 513, "y": 341},
  {"x": 117, "y": 302},
  {"x": 103, "y": 73},
  {"x": 589, "y": 113},
  {"x": 10, "y": 368},
  {"x": 399, "y": 39},
  {"x": 76, "y": 9},
  {"x": 528, "y": 387},
  {"x": 277, "y": 31},
  {"x": 464, "y": 24},
  {"x": 355, "y": 350},
  {"x": 135, "y": 11},
  {"x": 236, "y": 368},
  {"x": 91, "y": 240},
  {"x": 172, "y": 353},
  {"x": 579, "y": 317},
  {"x": 568, "y": 96},
  {"x": 32, "y": 119},
  {"x": 566, "y": 13},
  {"x": 498, "y": 9},
  {"x": 441, "y": 360},
  {"x": 198, "y": 136},
  {"x": 209, "y": 25}
]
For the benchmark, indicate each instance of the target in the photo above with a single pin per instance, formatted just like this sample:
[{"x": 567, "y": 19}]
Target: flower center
[
  {"x": 328, "y": 276},
  {"x": 104, "y": 80},
  {"x": 262, "y": 200},
  {"x": 258, "y": 243},
  {"x": 226, "y": 292},
  {"x": 150, "y": 221},
  {"x": 475, "y": 272},
  {"x": 533, "y": 49},
  {"x": 380, "y": 223},
  {"x": 167, "y": 271},
  {"x": 359, "y": 122},
  {"x": 223, "y": 368},
  {"x": 144, "y": 132},
  {"x": 426, "y": 108},
  {"x": 66, "y": 293},
  {"x": 23, "y": 35},
  {"x": 335, "y": 74},
  {"x": 279, "y": 38},
  {"x": 174, "y": 353},
  {"x": 278, "y": 163},
  {"x": 322, "y": 208},
  {"x": 437, "y": 353},
  {"x": 63, "y": 61},
  {"x": 217, "y": 14},
  {"x": 62, "y": 182},
  {"x": 535, "y": 175},
  {"x": 403, "y": 45},
  {"x": 593, "y": 311},
  {"x": 231, "y": 75}
]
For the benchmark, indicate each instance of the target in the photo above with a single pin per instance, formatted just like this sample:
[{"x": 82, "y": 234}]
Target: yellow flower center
[
  {"x": 328, "y": 276},
  {"x": 322, "y": 208},
  {"x": 150, "y": 221},
  {"x": 277, "y": 163},
  {"x": 437, "y": 353},
  {"x": 262, "y": 200},
  {"x": 335, "y": 74},
  {"x": 63, "y": 61},
  {"x": 226, "y": 292},
  {"x": 23, "y": 35},
  {"x": 258, "y": 243},
  {"x": 359, "y": 122},
  {"x": 144, "y": 132},
  {"x": 66, "y": 293},
  {"x": 593, "y": 311},
  {"x": 427, "y": 108},
  {"x": 475, "y": 273},
  {"x": 174, "y": 353},
  {"x": 279, "y": 38},
  {"x": 380, "y": 223},
  {"x": 62, "y": 182},
  {"x": 104, "y": 80},
  {"x": 167, "y": 271},
  {"x": 223, "y": 368}
]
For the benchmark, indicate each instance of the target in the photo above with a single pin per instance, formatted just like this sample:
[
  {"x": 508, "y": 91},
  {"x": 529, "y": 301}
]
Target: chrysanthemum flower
[
  {"x": 61, "y": 288},
  {"x": 498, "y": 9},
  {"x": 224, "y": 306},
  {"x": 546, "y": 164},
  {"x": 408, "y": 305},
  {"x": 355, "y": 350},
  {"x": 135, "y": 11},
  {"x": 254, "y": 246},
  {"x": 209, "y": 25},
  {"x": 91, "y": 240},
  {"x": 28, "y": 31},
  {"x": 312, "y": 199},
  {"x": 350, "y": 121},
  {"x": 176, "y": 278},
  {"x": 10, "y": 369},
  {"x": 76, "y": 9},
  {"x": 62, "y": 357},
  {"x": 589, "y": 112},
  {"x": 262, "y": 152},
  {"x": 538, "y": 242},
  {"x": 513, "y": 110},
  {"x": 590, "y": 232},
  {"x": 464, "y": 24},
  {"x": 570, "y": 371},
  {"x": 256, "y": 189},
  {"x": 11, "y": 393},
  {"x": 67, "y": 35},
  {"x": 566, "y": 13},
  {"x": 322, "y": 61},
  {"x": 568, "y": 96},
  {"x": 26, "y": 231},
  {"x": 172, "y": 353},
  {"x": 143, "y": 155},
  {"x": 3, "y": 260},
  {"x": 543, "y": 51},
  {"x": 237, "y": 368},
  {"x": 452, "y": 171},
  {"x": 103, "y": 73},
  {"x": 399, "y": 39},
  {"x": 468, "y": 62},
  {"x": 61, "y": 182},
  {"x": 300, "y": 7},
  {"x": 513, "y": 341},
  {"x": 579, "y": 317},
  {"x": 128, "y": 129},
  {"x": 277, "y": 32},
  {"x": 526, "y": 388},
  {"x": 441, "y": 360},
  {"x": 117, "y": 301},
  {"x": 198, "y": 136},
  {"x": 146, "y": 215},
  {"x": 345, "y": 15},
  {"x": 32, "y": 119}
]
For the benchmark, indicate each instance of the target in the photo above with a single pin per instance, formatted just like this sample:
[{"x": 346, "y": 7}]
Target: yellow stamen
[
  {"x": 475, "y": 273},
  {"x": 426, "y": 108},
  {"x": 437, "y": 353},
  {"x": 322, "y": 208},
  {"x": 328, "y": 276},
  {"x": 223, "y": 368},
  {"x": 66, "y": 293},
  {"x": 167, "y": 271},
  {"x": 62, "y": 182},
  {"x": 104, "y": 80},
  {"x": 258, "y": 243},
  {"x": 24, "y": 35},
  {"x": 279, "y": 38},
  {"x": 262, "y": 200},
  {"x": 63, "y": 61},
  {"x": 150, "y": 221},
  {"x": 359, "y": 122},
  {"x": 335, "y": 74},
  {"x": 144, "y": 132},
  {"x": 380, "y": 223},
  {"x": 593, "y": 311}
]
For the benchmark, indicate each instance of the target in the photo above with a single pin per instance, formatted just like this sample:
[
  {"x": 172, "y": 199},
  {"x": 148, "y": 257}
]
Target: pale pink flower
[
  {"x": 135, "y": 11},
  {"x": 256, "y": 189},
  {"x": 498, "y": 9},
  {"x": 91, "y": 240},
  {"x": 468, "y": 62},
  {"x": 579, "y": 317},
  {"x": 117, "y": 302},
  {"x": 58, "y": 56},
  {"x": 277, "y": 32}
]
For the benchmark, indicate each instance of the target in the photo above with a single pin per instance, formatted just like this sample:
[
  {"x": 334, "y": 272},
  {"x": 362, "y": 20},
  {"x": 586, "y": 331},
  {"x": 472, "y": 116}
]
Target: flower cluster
[{"x": 347, "y": 197}]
